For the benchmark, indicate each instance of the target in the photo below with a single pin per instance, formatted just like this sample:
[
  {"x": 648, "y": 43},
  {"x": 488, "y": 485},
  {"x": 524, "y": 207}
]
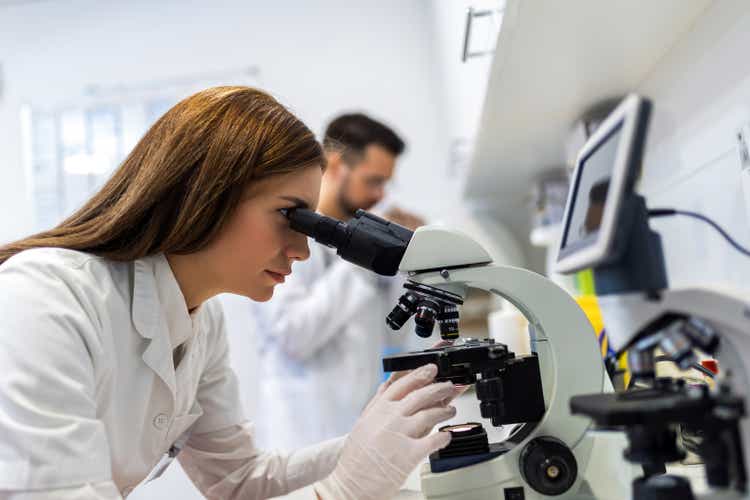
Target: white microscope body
[
  {"x": 728, "y": 312},
  {"x": 570, "y": 364}
]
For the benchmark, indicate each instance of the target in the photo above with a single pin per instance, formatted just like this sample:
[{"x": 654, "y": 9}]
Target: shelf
[{"x": 554, "y": 60}]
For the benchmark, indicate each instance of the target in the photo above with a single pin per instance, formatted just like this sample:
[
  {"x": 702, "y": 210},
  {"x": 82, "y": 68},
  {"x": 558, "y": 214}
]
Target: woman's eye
[{"x": 284, "y": 212}]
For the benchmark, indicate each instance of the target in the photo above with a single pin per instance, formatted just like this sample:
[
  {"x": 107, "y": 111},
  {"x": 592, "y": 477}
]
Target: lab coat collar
[
  {"x": 173, "y": 304},
  {"x": 154, "y": 284},
  {"x": 145, "y": 300},
  {"x": 158, "y": 310}
]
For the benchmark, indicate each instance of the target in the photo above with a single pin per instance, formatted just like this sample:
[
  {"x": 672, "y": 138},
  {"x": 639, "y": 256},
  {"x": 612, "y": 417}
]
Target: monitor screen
[{"x": 590, "y": 193}]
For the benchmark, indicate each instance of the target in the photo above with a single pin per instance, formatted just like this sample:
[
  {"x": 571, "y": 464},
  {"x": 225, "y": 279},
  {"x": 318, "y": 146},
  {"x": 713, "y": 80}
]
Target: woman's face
[{"x": 255, "y": 250}]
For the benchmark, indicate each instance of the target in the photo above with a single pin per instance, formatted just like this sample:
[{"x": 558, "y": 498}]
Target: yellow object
[
  {"x": 584, "y": 282},
  {"x": 590, "y": 307}
]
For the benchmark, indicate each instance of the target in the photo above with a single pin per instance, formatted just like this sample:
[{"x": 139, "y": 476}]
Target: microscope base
[{"x": 599, "y": 454}]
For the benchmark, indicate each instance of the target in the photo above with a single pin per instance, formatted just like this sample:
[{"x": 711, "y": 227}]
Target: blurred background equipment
[{"x": 607, "y": 229}]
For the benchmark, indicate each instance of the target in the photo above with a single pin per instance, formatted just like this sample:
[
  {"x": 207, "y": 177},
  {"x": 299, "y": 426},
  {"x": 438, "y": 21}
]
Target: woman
[{"x": 114, "y": 357}]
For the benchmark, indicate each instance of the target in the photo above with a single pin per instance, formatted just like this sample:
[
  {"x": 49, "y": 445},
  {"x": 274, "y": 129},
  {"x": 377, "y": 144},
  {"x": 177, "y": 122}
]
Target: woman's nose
[{"x": 298, "y": 248}]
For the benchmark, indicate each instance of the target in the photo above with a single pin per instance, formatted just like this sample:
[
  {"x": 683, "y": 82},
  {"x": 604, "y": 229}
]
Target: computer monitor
[{"x": 605, "y": 173}]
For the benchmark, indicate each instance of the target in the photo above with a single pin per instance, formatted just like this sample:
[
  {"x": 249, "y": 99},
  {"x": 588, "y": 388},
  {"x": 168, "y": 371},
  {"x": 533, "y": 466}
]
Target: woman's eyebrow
[{"x": 298, "y": 203}]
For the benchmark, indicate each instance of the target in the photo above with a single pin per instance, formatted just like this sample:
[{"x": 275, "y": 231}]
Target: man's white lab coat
[
  {"x": 89, "y": 397},
  {"x": 320, "y": 344}
]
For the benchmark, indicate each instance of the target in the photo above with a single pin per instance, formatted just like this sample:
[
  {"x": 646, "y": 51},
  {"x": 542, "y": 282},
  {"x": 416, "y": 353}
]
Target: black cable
[
  {"x": 705, "y": 371},
  {"x": 695, "y": 366},
  {"x": 666, "y": 212}
]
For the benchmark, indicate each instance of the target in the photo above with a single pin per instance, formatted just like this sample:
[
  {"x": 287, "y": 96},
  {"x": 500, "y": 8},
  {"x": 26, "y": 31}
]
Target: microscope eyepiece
[
  {"x": 325, "y": 230},
  {"x": 366, "y": 240}
]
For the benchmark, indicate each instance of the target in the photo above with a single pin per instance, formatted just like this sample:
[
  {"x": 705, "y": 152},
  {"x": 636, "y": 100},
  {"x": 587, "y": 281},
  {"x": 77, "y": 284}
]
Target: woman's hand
[
  {"x": 457, "y": 389},
  {"x": 391, "y": 437}
]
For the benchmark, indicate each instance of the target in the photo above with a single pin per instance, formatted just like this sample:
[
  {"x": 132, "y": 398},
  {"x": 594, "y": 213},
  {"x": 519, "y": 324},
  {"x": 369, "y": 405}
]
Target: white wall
[
  {"x": 701, "y": 95},
  {"x": 461, "y": 85},
  {"x": 319, "y": 58},
  {"x": 462, "y": 88}
]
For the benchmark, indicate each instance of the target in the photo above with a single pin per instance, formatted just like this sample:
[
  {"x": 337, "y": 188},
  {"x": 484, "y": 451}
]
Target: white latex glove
[{"x": 391, "y": 438}]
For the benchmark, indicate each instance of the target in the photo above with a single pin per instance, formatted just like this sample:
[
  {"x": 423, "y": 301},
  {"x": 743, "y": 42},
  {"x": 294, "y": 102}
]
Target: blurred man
[{"x": 321, "y": 335}]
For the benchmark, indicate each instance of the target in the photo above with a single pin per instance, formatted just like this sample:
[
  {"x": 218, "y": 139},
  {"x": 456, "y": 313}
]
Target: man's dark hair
[{"x": 352, "y": 133}]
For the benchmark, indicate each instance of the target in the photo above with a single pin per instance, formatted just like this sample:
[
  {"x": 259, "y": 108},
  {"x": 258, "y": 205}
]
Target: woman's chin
[{"x": 262, "y": 295}]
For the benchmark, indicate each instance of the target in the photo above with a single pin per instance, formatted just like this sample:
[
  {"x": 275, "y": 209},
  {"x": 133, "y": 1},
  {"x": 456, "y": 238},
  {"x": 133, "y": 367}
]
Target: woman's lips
[{"x": 277, "y": 277}]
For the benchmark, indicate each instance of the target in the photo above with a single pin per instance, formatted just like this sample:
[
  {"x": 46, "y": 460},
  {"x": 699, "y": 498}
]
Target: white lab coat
[
  {"x": 89, "y": 398},
  {"x": 320, "y": 342}
]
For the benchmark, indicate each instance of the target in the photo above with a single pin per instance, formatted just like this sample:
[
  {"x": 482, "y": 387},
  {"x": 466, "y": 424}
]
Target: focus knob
[{"x": 548, "y": 466}]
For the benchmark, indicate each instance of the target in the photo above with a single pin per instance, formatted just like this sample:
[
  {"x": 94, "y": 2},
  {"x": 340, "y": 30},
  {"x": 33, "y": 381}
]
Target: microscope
[
  {"x": 549, "y": 453},
  {"x": 606, "y": 229},
  {"x": 559, "y": 397}
]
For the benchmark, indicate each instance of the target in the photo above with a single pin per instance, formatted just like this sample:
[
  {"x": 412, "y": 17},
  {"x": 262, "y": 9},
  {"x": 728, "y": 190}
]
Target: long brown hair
[{"x": 184, "y": 178}]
